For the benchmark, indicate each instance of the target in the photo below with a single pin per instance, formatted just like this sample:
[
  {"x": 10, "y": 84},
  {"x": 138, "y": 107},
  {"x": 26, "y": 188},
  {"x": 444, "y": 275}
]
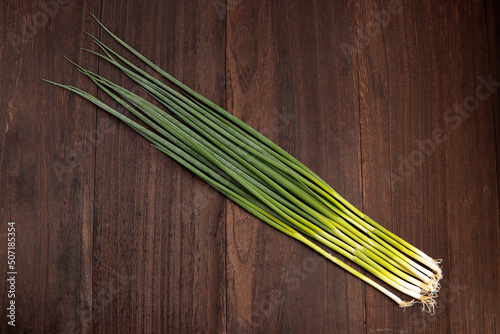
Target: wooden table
[{"x": 394, "y": 103}]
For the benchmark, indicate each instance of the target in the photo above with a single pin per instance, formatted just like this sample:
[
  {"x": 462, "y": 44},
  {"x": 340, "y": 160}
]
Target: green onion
[{"x": 262, "y": 178}]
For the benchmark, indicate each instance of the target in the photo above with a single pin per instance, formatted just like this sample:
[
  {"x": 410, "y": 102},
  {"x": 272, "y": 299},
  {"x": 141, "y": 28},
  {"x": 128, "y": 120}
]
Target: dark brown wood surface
[{"x": 393, "y": 103}]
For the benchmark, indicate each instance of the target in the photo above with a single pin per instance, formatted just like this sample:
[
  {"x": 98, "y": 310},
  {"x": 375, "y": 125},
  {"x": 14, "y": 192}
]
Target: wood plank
[
  {"x": 47, "y": 166},
  {"x": 282, "y": 80},
  {"x": 267, "y": 289},
  {"x": 339, "y": 105},
  {"x": 470, "y": 173},
  {"x": 328, "y": 124},
  {"x": 156, "y": 224},
  {"x": 492, "y": 12},
  {"x": 410, "y": 74},
  {"x": 260, "y": 261},
  {"x": 375, "y": 116}
]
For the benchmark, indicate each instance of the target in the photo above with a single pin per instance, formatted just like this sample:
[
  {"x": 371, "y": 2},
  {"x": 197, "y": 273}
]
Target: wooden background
[{"x": 115, "y": 237}]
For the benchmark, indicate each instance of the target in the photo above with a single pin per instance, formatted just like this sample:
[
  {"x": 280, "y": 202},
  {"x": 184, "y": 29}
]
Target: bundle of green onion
[{"x": 262, "y": 178}]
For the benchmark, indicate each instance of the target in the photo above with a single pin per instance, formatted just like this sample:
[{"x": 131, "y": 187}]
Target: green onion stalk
[{"x": 261, "y": 177}]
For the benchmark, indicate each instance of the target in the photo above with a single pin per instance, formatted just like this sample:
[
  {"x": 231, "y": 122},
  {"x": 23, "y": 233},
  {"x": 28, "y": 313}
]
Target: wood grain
[
  {"x": 43, "y": 131},
  {"x": 400, "y": 107},
  {"x": 377, "y": 97},
  {"x": 270, "y": 286},
  {"x": 169, "y": 237}
]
